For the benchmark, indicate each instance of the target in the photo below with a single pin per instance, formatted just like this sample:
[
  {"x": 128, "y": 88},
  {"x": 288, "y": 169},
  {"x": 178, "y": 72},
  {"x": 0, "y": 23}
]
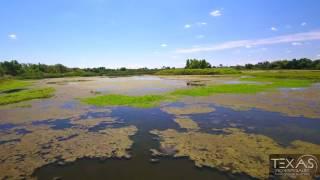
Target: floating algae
[
  {"x": 186, "y": 123},
  {"x": 294, "y": 103},
  {"x": 236, "y": 151},
  {"x": 189, "y": 109},
  {"x": 19, "y": 159}
]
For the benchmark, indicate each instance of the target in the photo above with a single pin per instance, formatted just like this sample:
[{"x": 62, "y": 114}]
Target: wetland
[{"x": 155, "y": 127}]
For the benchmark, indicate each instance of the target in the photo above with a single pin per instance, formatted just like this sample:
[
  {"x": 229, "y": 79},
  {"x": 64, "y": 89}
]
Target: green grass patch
[
  {"x": 11, "y": 84},
  {"x": 26, "y": 95},
  {"x": 209, "y": 71},
  {"x": 265, "y": 84},
  {"x": 219, "y": 89},
  {"x": 285, "y": 74},
  {"x": 145, "y": 101}
]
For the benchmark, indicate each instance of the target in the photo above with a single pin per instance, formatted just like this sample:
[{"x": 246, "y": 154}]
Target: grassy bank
[
  {"x": 26, "y": 95},
  {"x": 285, "y": 74},
  {"x": 12, "y": 84},
  {"x": 13, "y": 91},
  {"x": 211, "y": 71},
  {"x": 113, "y": 73},
  {"x": 145, "y": 101}
]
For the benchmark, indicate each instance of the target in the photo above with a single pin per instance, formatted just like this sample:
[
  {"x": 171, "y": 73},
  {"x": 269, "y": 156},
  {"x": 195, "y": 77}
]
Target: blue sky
[{"x": 91, "y": 33}]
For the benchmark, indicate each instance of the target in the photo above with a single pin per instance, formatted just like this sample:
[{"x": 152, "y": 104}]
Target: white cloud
[
  {"x": 318, "y": 55},
  {"x": 298, "y": 37},
  {"x": 248, "y": 46},
  {"x": 163, "y": 45},
  {"x": 12, "y": 36},
  {"x": 198, "y": 24},
  {"x": 200, "y": 36},
  {"x": 201, "y": 23},
  {"x": 273, "y": 29},
  {"x": 296, "y": 43},
  {"x": 187, "y": 26},
  {"x": 303, "y": 24},
  {"x": 215, "y": 13}
]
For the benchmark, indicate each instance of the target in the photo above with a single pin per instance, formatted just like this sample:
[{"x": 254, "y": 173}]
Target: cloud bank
[{"x": 298, "y": 37}]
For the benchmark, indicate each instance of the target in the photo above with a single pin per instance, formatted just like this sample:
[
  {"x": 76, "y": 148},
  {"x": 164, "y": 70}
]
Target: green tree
[
  {"x": 197, "y": 64},
  {"x": 1, "y": 71}
]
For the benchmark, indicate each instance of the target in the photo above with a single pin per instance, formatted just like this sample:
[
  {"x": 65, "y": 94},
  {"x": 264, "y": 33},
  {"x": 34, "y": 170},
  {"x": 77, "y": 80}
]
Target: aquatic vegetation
[
  {"x": 265, "y": 84},
  {"x": 224, "y": 88},
  {"x": 19, "y": 159},
  {"x": 245, "y": 88},
  {"x": 186, "y": 123},
  {"x": 6, "y": 137},
  {"x": 235, "y": 151},
  {"x": 303, "y": 102},
  {"x": 26, "y": 95},
  {"x": 278, "y": 82},
  {"x": 11, "y": 84},
  {"x": 145, "y": 101},
  {"x": 188, "y": 109},
  {"x": 23, "y": 106},
  {"x": 66, "y": 81}
]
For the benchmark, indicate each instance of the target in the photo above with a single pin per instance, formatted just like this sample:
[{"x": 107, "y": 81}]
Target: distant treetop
[{"x": 197, "y": 64}]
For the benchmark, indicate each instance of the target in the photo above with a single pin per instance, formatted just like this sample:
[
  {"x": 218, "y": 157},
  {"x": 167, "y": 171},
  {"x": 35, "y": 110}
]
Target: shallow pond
[
  {"x": 281, "y": 128},
  {"x": 212, "y": 116}
]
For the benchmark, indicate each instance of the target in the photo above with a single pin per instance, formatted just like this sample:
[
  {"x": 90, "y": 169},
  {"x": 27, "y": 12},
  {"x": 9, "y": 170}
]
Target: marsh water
[
  {"x": 141, "y": 165},
  {"x": 283, "y": 129}
]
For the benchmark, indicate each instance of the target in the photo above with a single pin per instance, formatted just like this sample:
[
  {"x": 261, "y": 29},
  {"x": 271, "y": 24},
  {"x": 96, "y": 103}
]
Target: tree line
[
  {"x": 303, "y": 63},
  {"x": 35, "y": 71},
  {"x": 27, "y": 70}
]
